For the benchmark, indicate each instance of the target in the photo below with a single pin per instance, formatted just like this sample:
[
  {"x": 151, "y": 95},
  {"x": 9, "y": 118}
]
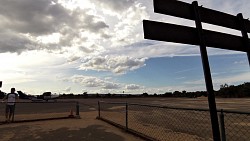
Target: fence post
[
  {"x": 77, "y": 110},
  {"x": 126, "y": 116},
  {"x": 222, "y": 126},
  {"x": 99, "y": 110}
]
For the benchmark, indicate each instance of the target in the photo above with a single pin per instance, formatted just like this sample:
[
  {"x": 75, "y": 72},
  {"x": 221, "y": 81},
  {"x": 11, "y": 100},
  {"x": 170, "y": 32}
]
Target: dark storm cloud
[
  {"x": 32, "y": 16},
  {"x": 41, "y": 18},
  {"x": 15, "y": 43},
  {"x": 93, "y": 26}
]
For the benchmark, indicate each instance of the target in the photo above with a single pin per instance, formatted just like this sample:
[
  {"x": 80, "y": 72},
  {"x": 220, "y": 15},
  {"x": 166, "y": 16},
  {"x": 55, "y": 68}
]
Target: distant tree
[
  {"x": 184, "y": 93},
  {"x": 130, "y": 95},
  {"x": 2, "y": 94},
  {"x": 204, "y": 93},
  {"x": 224, "y": 85},
  {"x": 167, "y": 94},
  {"x": 177, "y": 94},
  {"x": 245, "y": 89},
  {"x": 232, "y": 91},
  {"x": 69, "y": 95},
  {"x": 97, "y": 95},
  {"x": 85, "y": 95},
  {"x": 144, "y": 94},
  {"x": 155, "y": 94},
  {"x": 191, "y": 94},
  {"x": 108, "y": 95}
]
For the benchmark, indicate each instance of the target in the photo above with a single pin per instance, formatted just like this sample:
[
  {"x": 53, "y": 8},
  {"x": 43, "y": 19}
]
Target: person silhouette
[{"x": 11, "y": 98}]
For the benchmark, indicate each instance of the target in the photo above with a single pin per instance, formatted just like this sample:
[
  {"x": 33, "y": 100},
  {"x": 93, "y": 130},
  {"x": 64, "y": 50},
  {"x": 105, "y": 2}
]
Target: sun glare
[
  {"x": 73, "y": 4},
  {"x": 52, "y": 38}
]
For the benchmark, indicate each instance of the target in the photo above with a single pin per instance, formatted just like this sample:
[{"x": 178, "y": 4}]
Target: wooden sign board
[
  {"x": 188, "y": 35},
  {"x": 185, "y": 10}
]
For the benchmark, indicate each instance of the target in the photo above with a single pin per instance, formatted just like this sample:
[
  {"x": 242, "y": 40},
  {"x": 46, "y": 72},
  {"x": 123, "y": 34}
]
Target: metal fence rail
[
  {"x": 31, "y": 111},
  {"x": 175, "y": 124}
]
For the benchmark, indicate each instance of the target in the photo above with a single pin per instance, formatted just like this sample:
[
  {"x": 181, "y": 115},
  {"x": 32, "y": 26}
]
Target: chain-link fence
[
  {"x": 32, "y": 111},
  {"x": 235, "y": 126},
  {"x": 174, "y": 124},
  {"x": 115, "y": 112}
]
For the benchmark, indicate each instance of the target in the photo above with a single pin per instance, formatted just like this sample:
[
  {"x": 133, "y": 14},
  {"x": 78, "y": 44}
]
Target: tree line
[
  {"x": 231, "y": 91},
  {"x": 225, "y": 91}
]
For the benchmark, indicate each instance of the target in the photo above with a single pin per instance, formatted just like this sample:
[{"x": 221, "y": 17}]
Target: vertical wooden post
[
  {"x": 244, "y": 34},
  {"x": 207, "y": 74}
]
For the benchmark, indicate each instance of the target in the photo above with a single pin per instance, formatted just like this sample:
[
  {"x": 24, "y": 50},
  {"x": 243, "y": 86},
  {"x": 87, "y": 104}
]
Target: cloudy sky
[{"x": 97, "y": 46}]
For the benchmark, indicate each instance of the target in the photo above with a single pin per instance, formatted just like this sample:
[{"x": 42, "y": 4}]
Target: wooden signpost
[{"x": 197, "y": 36}]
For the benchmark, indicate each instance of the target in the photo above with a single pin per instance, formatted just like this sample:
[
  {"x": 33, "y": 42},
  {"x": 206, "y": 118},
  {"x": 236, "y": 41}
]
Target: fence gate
[{"x": 197, "y": 36}]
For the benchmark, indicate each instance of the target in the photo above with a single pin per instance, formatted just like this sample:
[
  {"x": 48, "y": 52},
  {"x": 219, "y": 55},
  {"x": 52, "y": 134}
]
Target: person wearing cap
[{"x": 11, "y": 98}]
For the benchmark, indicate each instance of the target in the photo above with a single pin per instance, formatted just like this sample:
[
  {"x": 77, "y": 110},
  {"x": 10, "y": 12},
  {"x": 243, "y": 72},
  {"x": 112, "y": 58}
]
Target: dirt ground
[
  {"x": 87, "y": 128},
  {"x": 235, "y": 104}
]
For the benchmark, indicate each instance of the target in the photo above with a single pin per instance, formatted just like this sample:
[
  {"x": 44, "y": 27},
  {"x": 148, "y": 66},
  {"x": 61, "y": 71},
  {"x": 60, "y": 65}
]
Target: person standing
[{"x": 11, "y": 97}]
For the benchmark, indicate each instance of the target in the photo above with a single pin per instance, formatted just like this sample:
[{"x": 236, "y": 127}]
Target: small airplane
[
  {"x": 45, "y": 96},
  {"x": 23, "y": 95},
  {"x": 48, "y": 96}
]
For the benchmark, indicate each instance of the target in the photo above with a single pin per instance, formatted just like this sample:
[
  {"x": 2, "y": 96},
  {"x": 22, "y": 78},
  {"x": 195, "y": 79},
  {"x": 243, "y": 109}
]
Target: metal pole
[
  {"x": 77, "y": 110},
  {"x": 222, "y": 126},
  {"x": 99, "y": 110},
  {"x": 126, "y": 116},
  {"x": 207, "y": 74},
  {"x": 244, "y": 34}
]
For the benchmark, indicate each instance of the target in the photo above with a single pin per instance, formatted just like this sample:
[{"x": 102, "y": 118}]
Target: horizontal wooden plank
[
  {"x": 188, "y": 35},
  {"x": 185, "y": 10}
]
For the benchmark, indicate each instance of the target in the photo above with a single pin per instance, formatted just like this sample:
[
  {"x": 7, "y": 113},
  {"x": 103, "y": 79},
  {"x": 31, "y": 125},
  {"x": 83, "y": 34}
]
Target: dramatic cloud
[
  {"x": 34, "y": 17},
  {"x": 110, "y": 85},
  {"x": 45, "y": 17},
  {"x": 87, "y": 81},
  {"x": 45, "y": 24},
  {"x": 127, "y": 29},
  {"x": 15, "y": 43},
  {"x": 104, "y": 85},
  {"x": 133, "y": 87},
  {"x": 90, "y": 81},
  {"x": 115, "y": 64},
  {"x": 54, "y": 25}
]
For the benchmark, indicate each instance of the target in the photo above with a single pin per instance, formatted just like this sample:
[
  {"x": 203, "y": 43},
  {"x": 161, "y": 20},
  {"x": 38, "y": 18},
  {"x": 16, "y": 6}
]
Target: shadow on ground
[{"x": 90, "y": 133}]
